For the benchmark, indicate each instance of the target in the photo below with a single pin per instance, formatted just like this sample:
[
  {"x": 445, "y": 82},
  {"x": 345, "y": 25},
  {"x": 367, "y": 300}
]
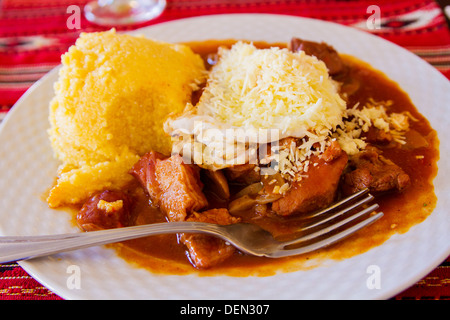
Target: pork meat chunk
[
  {"x": 207, "y": 251},
  {"x": 318, "y": 189},
  {"x": 145, "y": 172},
  {"x": 172, "y": 185},
  {"x": 369, "y": 169},
  {"x": 105, "y": 210},
  {"x": 321, "y": 51}
]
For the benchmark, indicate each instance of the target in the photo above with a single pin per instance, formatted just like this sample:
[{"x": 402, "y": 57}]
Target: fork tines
[{"x": 336, "y": 222}]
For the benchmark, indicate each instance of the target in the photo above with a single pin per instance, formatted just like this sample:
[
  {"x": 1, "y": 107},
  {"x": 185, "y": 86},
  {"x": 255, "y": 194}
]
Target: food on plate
[
  {"x": 262, "y": 133},
  {"x": 112, "y": 97}
]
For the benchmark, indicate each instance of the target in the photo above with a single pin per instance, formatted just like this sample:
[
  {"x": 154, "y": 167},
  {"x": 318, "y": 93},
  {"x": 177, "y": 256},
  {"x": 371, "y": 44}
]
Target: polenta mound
[{"x": 113, "y": 95}]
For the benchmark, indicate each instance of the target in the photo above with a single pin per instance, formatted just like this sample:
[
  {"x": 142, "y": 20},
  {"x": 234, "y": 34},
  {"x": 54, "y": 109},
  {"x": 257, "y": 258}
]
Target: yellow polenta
[{"x": 113, "y": 95}]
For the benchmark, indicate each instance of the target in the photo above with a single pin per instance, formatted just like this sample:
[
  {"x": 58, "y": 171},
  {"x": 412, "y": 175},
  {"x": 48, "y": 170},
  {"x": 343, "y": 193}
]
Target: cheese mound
[
  {"x": 112, "y": 97},
  {"x": 270, "y": 89}
]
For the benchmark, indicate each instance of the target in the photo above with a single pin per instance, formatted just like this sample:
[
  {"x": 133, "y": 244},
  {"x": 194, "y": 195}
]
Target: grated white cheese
[
  {"x": 273, "y": 89},
  {"x": 252, "y": 89},
  {"x": 290, "y": 94},
  {"x": 375, "y": 114}
]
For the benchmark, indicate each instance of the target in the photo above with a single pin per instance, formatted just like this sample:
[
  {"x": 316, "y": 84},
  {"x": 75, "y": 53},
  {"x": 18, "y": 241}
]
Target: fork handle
[{"x": 15, "y": 248}]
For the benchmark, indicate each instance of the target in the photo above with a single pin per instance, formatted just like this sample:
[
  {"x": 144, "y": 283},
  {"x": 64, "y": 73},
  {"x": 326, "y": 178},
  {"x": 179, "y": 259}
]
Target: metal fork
[{"x": 320, "y": 229}]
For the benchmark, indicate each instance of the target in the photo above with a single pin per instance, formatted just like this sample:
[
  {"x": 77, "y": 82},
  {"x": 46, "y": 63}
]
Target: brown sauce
[{"x": 164, "y": 255}]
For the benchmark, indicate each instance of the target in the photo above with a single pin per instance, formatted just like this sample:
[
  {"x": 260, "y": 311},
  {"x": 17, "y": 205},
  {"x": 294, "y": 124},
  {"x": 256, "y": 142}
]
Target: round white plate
[{"x": 28, "y": 170}]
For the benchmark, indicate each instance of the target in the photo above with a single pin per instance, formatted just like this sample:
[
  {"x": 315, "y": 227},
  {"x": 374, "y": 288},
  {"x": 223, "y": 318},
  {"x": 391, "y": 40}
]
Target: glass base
[{"x": 123, "y": 12}]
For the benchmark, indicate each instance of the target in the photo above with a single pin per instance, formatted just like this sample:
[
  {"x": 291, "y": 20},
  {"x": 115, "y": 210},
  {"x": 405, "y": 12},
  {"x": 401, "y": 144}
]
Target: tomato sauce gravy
[{"x": 417, "y": 157}]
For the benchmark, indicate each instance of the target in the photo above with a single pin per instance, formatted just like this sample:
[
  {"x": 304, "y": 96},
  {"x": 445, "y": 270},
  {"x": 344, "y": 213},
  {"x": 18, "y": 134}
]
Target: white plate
[{"x": 28, "y": 169}]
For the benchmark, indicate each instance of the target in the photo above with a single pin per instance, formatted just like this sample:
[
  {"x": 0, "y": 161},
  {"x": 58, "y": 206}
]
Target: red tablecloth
[{"x": 34, "y": 33}]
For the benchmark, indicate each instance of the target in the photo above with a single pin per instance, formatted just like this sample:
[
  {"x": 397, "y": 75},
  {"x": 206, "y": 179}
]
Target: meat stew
[{"x": 399, "y": 175}]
